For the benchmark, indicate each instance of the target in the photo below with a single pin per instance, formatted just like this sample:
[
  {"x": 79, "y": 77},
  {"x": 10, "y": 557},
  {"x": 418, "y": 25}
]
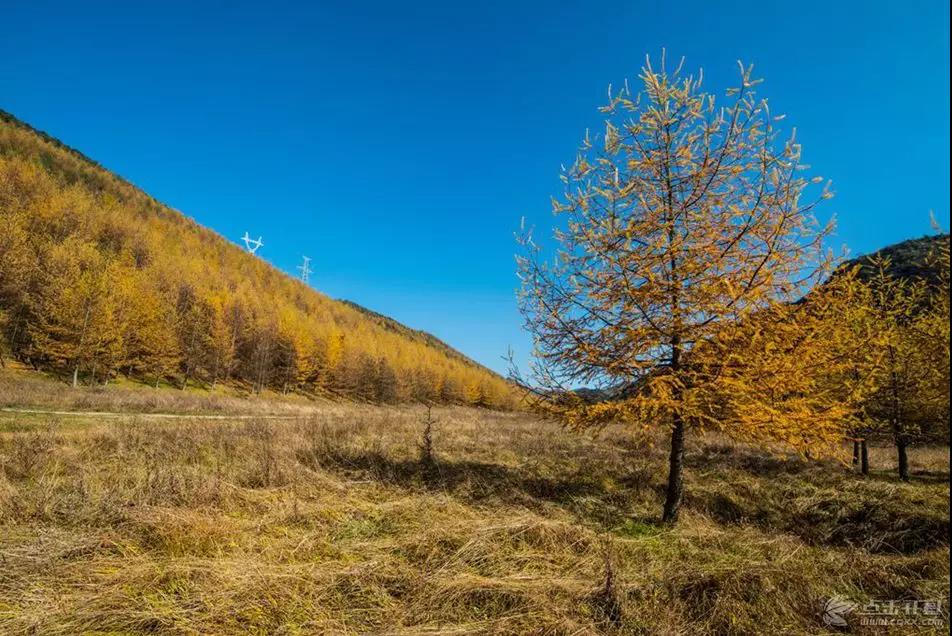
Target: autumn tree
[
  {"x": 26, "y": 200},
  {"x": 911, "y": 392},
  {"x": 74, "y": 325},
  {"x": 16, "y": 266},
  {"x": 289, "y": 354},
  {"x": 448, "y": 389},
  {"x": 150, "y": 339},
  {"x": 193, "y": 331},
  {"x": 683, "y": 222},
  {"x": 222, "y": 338},
  {"x": 363, "y": 377},
  {"x": 259, "y": 349},
  {"x": 387, "y": 389},
  {"x": 794, "y": 373},
  {"x": 422, "y": 385},
  {"x": 935, "y": 328}
]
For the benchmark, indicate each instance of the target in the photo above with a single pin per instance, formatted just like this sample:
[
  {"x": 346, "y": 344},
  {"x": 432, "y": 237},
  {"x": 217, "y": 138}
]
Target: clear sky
[{"x": 398, "y": 144}]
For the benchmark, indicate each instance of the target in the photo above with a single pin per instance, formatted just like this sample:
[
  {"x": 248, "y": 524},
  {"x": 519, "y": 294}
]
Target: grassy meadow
[{"x": 330, "y": 523}]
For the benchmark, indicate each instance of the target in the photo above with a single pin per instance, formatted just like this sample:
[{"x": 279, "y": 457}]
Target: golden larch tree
[
  {"x": 75, "y": 327},
  {"x": 909, "y": 400},
  {"x": 682, "y": 222},
  {"x": 794, "y": 373},
  {"x": 222, "y": 337},
  {"x": 152, "y": 348}
]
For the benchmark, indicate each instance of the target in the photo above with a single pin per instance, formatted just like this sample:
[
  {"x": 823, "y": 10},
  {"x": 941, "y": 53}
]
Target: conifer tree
[
  {"x": 73, "y": 325},
  {"x": 194, "y": 329},
  {"x": 911, "y": 384},
  {"x": 684, "y": 220},
  {"x": 222, "y": 338},
  {"x": 16, "y": 269},
  {"x": 388, "y": 389},
  {"x": 152, "y": 347}
]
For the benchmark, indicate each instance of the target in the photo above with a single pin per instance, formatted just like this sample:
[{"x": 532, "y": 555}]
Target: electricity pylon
[
  {"x": 250, "y": 244},
  {"x": 305, "y": 269}
]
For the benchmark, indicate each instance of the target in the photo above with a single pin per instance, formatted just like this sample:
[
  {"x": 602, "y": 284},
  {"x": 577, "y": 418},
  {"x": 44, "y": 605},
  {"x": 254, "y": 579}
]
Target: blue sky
[{"x": 399, "y": 144}]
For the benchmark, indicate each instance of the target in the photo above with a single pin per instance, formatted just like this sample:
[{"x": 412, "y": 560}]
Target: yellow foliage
[{"x": 686, "y": 235}]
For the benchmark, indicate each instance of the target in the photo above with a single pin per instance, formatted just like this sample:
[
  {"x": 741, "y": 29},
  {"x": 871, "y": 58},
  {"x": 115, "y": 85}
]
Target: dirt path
[{"x": 168, "y": 416}]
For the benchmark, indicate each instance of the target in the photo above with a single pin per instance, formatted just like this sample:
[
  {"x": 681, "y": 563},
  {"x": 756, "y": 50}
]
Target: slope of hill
[
  {"x": 390, "y": 324},
  {"x": 97, "y": 279},
  {"x": 912, "y": 259}
]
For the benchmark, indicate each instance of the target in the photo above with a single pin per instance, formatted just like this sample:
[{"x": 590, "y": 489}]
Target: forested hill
[
  {"x": 98, "y": 279},
  {"x": 915, "y": 259}
]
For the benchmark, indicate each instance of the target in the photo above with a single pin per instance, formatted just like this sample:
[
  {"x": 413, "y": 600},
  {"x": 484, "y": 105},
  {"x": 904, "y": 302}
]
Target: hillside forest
[{"x": 100, "y": 281}]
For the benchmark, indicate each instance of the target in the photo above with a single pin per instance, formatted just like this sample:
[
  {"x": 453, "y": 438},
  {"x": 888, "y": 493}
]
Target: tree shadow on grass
[
  {"x": 867, "y": 524},
  {"x": 764, "y": 464},
  {"x": 756, "y": 463},
  {"x": 609, "y": 500},
  {"x": 916, "y": 476},
  {"x": 822, "y": 502},
  {"x": 585, "y": 494}
]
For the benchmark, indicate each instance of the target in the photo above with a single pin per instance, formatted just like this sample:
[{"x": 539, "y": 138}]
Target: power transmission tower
[
  {"x": 305, "y": 269},
  {"x": 250, "y": 244}
]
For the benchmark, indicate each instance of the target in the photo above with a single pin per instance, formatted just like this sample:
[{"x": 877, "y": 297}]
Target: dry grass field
[
  {"x": 20, "y": 387},
  {"x": 330, "y": 524}
]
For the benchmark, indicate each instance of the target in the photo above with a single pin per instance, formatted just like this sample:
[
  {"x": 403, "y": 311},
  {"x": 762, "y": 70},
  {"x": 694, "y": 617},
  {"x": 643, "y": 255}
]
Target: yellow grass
[
  {"x": 20, "y": 387},
  {"x": 329, "y": 524}
]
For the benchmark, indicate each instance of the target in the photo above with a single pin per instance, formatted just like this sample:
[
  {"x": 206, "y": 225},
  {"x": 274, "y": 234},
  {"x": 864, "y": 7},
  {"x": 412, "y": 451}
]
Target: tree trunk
[
  {"x": 672, "y": 502},
  {"x": 864, "y": 457},
  {"x": 215, "y": 371},
  {"x": 14, "y": 340},
  {"x": 75, "y": 376},
  {"x": 287, "y": 379},
  {"x": 901, "y": 445},
  {"x": 902, "y": 441},
  {"x": 855, "y": 452}
]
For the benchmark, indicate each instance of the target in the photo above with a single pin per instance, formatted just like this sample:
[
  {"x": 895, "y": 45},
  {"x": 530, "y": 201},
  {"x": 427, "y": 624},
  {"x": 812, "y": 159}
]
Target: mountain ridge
[{"x": 912, "y": 258}]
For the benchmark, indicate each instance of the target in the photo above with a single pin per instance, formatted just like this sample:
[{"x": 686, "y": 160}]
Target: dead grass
[
  {"x": 330, "y": 524},
  {"x": 20, "y": 387}
]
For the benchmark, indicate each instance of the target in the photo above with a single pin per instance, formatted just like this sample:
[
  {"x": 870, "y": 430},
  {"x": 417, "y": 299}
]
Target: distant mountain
[
  {"x": 99, "y": 279},
  {"x": 912, "y": 259}
]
